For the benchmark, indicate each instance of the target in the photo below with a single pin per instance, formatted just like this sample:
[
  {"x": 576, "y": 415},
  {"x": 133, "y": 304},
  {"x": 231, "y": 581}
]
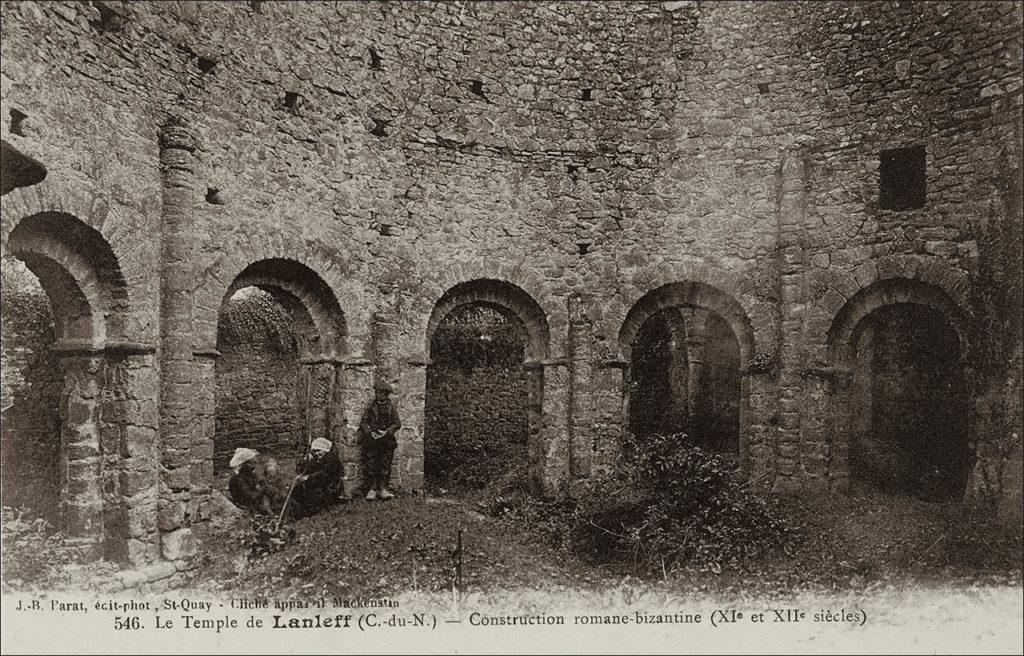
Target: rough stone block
[
  {"x": 866, "y": 274},
  {"x": 171, "y": 515},
  {"x": 178, "y": 545}
]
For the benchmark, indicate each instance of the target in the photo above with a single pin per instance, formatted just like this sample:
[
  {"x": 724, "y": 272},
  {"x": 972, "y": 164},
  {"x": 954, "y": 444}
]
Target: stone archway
[
  {"x": 321, "y": 377},
  {"x": 901, "y": 393},
  {"x": 708, "y": 343},
  {"x": 512, "y": 302},
  {"x": 107, "y": 447}
]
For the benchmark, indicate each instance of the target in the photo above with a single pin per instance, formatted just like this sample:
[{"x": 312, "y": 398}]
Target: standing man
[{"x": 378, "y": 426}]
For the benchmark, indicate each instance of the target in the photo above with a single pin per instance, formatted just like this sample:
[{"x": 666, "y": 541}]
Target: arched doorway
[
  {"x": 904, "y": 414},
  {"x": 487, "y": 341},
  {"x": 278, "y": 374},
  {"x": 685, "y": 377},
  {"x": 258, "y": 374},
  {"x": 96, "y": 433},
  {"x": 477, "y": 401},
  {"x": 687, "y": 345}
]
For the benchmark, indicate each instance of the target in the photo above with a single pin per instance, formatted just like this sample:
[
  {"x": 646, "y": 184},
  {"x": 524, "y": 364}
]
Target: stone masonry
[{"x": 583, "y": 165}]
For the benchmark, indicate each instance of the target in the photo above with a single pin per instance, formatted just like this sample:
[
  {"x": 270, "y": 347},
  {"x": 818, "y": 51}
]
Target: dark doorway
[
  {"x": 910, "y": 411},
  {"x": 718, "y": 408},
  {"x": 477, "y": 407},
  {"x": 258, "y": 379},
  {"x": 685, "y": 377}
]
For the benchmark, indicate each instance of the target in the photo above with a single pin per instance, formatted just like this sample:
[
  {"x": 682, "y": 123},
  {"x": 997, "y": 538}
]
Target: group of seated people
[{"x": 257, "y": 485}]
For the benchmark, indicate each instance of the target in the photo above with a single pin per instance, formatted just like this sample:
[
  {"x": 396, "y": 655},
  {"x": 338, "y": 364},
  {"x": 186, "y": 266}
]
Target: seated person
[
  {"x": 248, "y": 487},
  {"x": 319, "y": 482}
]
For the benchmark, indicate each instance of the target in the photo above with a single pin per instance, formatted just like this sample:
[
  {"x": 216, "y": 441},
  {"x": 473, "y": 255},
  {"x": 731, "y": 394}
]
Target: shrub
[
  {"x": 686, "y": 507},
  {"x": 30, "y": 545},
  {"x": 674, "y": 506}
]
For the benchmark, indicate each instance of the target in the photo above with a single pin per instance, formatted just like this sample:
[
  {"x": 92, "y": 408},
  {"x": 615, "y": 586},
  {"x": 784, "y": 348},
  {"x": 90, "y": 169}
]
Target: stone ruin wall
[
  {"x": 478, "y": 420},
  {"x": 258, "y": 403},
  {"x": 586, "y": 152}
]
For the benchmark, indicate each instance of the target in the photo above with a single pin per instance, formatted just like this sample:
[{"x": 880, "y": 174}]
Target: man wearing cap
[
  {"x": 248, "y": 486},
  {"x": 378, "y": 426},
  {"x": 319, "y": 479}
]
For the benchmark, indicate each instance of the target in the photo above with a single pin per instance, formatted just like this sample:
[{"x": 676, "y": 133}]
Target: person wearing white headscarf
[
  {"x": 319, "y": 480},
  {"x": 248, "y": 486}
]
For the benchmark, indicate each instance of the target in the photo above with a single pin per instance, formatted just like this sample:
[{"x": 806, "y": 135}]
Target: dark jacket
[
  {"x": 323, "y": 474},
  {"x": 322, "y": 485},
  {"x": 380, "y": 417},
  {"x": 249, "y": 489}
]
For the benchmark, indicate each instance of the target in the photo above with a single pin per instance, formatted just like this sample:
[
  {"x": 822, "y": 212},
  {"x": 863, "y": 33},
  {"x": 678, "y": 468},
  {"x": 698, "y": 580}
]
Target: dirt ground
[
  {"x": 888, "y": 560},
  {"x": 893, "y": 563},
  {"x": 409, "y": 544}
]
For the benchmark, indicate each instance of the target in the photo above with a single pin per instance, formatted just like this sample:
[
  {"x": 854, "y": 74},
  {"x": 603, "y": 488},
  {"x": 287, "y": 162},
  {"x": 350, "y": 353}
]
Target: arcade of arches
[
  {"x": 281, "y": 375},
  {"x": 226, "y": 249}
]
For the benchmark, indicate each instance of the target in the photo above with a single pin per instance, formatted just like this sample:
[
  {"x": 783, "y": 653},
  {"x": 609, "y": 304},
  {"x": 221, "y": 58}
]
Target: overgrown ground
[{"x": 409, "y": 544}]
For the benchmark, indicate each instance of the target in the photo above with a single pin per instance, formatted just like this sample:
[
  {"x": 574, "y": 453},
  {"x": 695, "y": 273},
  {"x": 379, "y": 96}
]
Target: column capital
[
  {"x": 538, "y": 363},
  {"x": 206, "y": 353}
]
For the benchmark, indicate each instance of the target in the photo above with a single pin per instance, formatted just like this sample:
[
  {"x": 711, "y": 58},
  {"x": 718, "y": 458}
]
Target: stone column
[
  {"x": 317, "y": 378},
  {"x": 549, "y": 453},
  {"x": 113, "y": 378},
  {"x": 837, "y": 387},
  {"x": 384, "y": 336},
  {"x": 408, "y": 472},
  {"x": 353, "y": 390},
  {"x": 534, "y": 375},
  {"x": 792, "y": 210},
  {"x": 128, "y": 442},
  {"x": 580, "y": 400},
  {"x": 609, "y": 422},
  {"x": 388, "y": 365},
  {"x": 140, "y": 451},
  {"x": 81, "y": 455},
  {"x": 849, "y": 385},
  {"x": 203, "y": 432},
  {"x": 177, "y": 420},
  {"x": 696, "y": 321},
  {"x": 757, "y": 446}
]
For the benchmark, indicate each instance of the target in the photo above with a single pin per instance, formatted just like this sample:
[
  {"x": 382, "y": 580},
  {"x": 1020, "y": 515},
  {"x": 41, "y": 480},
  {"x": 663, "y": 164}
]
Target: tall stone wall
[
  {"x": 587, "y": 153},
  {"x": 477, "y": 426},
  {"x": 257, "y": 403}
]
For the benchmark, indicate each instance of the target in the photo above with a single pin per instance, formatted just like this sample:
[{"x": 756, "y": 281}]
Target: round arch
[
  {"x": 852, "y": 339},
  {"x": 891, "y": 291},
  {"x": 689, "y": 294},
  {"x": 79, "y": 272},
  {"x": 503, "y": 295},
  {"x": 298, "y": 287}
]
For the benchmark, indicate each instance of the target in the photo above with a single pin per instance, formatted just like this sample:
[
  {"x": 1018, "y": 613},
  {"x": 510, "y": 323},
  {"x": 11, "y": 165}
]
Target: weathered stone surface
[
  {"x": 586, "y": 180},
  {"x": 178, "y": 545}
]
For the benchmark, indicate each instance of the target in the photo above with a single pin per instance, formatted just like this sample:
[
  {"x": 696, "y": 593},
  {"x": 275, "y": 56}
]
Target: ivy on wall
[{"x": 253, "y": 317}]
